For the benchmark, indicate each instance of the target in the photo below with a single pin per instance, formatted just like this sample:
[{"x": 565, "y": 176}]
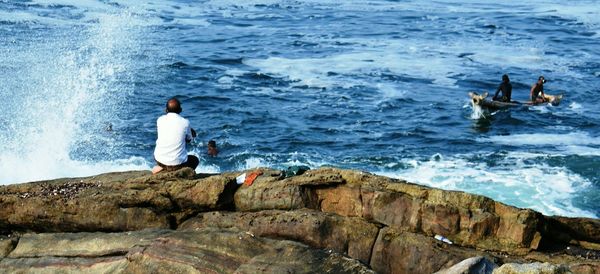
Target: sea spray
[
  {"x": 477, "y": 113},
  {"x": 70, "y": 85}
]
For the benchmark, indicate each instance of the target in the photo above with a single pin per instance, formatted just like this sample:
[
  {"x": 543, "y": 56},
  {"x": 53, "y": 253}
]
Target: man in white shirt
[{"x": 174, "y": 132}]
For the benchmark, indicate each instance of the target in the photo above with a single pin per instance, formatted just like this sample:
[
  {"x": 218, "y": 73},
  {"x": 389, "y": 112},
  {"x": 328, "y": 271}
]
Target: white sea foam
[
  {"x": 541, "y": 139},
  {"x": 579, "y": 150},
  {"x": 24, "y": 17},
  {"x": 300, "y": 158},
  {"x": 225, "y": 81},
  {"x": 547, "y": 189},
  {"x": 88, "y": 12},
  {"x": 192, "y": 22},
  {"x": 575, "y": 106},
  {"x": 87, "y": 4},
  {"x": 398, "y": 57},
  {"x": 88, "y": 9},
  {"x": 586, "y": 12},
  {"x": 391, "y": 91},
  {"x": 253, "y": 162},
  {"x": 40, "y": 166},
  {"x": 412, "y": 57},
  {"x": 561, "y": 127},
  {"x": 202, "y": 168},
  {"x": 245, "y": 4}
]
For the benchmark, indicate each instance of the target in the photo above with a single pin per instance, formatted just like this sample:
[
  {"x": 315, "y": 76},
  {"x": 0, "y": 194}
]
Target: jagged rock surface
[
  {"x": 475, "y": 265},
  {"x": 324, "y": 220}
]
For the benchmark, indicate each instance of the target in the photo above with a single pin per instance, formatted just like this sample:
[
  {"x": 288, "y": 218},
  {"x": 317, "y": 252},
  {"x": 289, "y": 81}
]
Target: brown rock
[
  {"x": 346, "y": 235},
  {"x": 574, "y": 258},
  {"x": 166, "y": 251},
  {"x": 466, "y": 219},
  {"x": 533, "y": 268},
  {"x": 83, "y": 244},
  {"x": 406, "y": 252},
  {"x": 342, "y": 200},
  {"x": 440, "y": 219},
  {"x": 287, "y": 194},
  {"x": 65, "y": 265},
  {"x": 475, "y": 265},
  {"x": 398, "y": 210},
  {"x": 329, "y": 209},
  {"x": 480, "y": 225},
  {"x": 6, "y": 246},
  {"x": 222, "y": 251},
  {"x": 565, "y": 229},
  {"x": 112, "y": 202},
  {"x": 517, "y": 228},
  {"x": 585, "y": 268}
]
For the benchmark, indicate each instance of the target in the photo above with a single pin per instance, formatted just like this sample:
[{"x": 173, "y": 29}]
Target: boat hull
[{"x": 482, "y": 101}]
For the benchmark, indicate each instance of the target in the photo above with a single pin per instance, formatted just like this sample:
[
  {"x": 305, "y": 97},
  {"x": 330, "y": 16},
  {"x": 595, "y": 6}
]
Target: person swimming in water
[{"x": 212, "y": 148}]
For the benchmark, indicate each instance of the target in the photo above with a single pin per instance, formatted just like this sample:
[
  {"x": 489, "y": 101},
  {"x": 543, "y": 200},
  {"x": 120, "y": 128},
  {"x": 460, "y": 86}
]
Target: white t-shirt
[{"x": 173, "y": 131}]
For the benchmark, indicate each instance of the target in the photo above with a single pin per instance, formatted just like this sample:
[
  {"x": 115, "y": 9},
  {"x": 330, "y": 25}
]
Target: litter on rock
[
  {"x": 251, "y": 177},
  {"x": 443, "y": 239},
  {"x": 240, "y": 179}
]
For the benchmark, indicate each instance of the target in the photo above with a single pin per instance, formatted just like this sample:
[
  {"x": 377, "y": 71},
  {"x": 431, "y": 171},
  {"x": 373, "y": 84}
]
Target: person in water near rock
[
  {"x": 536, "y": 90},
  {"x": 506, "y": 88},
  {"x": 212, "y": 148},
  {"x": 174, "y": 132}
]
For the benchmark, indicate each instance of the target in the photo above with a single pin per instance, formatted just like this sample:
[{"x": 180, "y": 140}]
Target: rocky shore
[{"x": 325, "y": 220}]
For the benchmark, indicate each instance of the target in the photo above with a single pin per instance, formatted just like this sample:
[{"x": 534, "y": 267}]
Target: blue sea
[{"x": 379, "y": 86}]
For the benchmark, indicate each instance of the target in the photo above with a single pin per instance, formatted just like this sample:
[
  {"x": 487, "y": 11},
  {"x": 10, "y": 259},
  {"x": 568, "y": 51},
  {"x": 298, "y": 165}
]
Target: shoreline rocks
[{"x": 342, "y": 220}]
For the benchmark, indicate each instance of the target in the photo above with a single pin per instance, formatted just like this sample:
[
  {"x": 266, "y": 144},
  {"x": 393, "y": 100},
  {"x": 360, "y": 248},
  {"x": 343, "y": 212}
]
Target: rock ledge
[{"x": 330, "y": 220}]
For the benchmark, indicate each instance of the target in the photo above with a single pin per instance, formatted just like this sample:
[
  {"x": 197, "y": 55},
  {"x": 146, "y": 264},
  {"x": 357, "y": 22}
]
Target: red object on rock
[{"x": 251, "y": 177}]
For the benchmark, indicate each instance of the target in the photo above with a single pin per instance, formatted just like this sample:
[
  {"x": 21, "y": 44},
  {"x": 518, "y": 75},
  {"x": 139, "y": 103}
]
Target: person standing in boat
[
  {"x": 506, "y": 88},
  {"x": 537, "y": 91}
]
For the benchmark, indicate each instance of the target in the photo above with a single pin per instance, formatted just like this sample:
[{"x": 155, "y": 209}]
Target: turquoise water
[{"x": 379, "y": 86}]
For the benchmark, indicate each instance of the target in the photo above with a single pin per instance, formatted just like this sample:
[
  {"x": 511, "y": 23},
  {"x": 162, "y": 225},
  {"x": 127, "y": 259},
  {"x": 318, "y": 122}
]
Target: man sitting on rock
[{"x": 173, "y": 133}]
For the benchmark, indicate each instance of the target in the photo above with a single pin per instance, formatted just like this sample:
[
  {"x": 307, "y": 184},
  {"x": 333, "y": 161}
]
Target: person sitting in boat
[
  {"x": 506, "y": 88},
  {"x": 174, "y": 132},
  {"x": 537, "y": 91}
]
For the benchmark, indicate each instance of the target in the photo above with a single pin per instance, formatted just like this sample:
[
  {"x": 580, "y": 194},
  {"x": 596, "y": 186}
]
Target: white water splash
[
  {"x": 517, "y": 182},
  {"x": 63, "y": 94},
  {"x": 541, "y": 139},
  {"x": 477, "y": 112}
]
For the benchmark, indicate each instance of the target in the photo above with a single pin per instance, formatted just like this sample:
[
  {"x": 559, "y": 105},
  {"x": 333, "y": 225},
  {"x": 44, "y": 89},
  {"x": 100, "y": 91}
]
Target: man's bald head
[{"x": 173, "y": 105}]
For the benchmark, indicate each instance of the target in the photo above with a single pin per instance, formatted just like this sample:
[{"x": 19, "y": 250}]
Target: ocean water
[{"x": 376, "y": 85}]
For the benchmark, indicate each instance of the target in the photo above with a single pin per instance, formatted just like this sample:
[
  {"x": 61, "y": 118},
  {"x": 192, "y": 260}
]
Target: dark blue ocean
[{"x": 375, "y": 85}]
